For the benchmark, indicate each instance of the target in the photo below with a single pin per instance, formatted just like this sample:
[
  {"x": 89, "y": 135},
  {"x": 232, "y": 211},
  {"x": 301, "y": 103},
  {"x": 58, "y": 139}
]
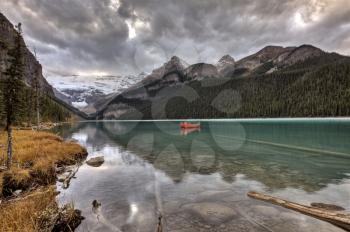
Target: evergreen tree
[
  {"x": 29, "y": 105},
  {"x": 13, "y": 87},
  {"x": 36, "y": 86},
  {"x": 1, "y": 102}
]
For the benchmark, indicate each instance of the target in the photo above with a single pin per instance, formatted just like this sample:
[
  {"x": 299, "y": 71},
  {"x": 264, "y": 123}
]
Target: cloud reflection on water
[{"x": 196, "y": 169}]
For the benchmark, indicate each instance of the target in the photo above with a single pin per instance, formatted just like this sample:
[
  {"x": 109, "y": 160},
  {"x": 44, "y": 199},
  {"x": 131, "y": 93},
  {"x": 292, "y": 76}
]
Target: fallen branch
[
  {"x": 67, "y": 180},
  {"x": 339, "y": 219}
]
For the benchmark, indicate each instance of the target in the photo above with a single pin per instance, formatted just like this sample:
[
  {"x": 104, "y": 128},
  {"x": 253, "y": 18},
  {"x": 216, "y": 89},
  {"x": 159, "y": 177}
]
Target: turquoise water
[{"x": 198, "y": 180}]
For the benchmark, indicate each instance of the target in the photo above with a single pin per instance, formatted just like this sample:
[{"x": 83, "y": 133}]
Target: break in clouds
[{"x": 101, "y": 37}]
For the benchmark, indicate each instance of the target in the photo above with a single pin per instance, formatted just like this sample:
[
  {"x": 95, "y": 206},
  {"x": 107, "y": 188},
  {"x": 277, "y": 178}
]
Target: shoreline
[
  {"x": 28, "y": 191},
  {"x": 229, "y": 120}
]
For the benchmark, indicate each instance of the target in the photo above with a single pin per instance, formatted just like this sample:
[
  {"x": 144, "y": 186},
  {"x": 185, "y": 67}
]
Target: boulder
[
  {"x": 96, "y": 161},
  {"x": 210, "y": 212}
]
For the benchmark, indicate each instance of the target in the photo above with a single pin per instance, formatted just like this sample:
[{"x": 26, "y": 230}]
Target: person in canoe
[{"x": 187, "y": 125}]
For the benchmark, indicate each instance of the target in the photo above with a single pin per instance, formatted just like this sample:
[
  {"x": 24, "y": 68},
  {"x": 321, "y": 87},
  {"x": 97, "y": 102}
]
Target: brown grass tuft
[{"x": 22, "y": 215}]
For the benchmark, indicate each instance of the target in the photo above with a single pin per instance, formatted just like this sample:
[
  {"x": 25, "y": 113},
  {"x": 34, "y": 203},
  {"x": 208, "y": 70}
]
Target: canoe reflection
[{"x": 187, "y": 131}]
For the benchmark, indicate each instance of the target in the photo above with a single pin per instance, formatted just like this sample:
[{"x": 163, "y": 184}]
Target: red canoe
[{"x": 187, "y": 125}]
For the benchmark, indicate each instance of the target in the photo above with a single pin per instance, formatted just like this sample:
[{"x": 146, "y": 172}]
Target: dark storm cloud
[{"x": 126, "y": 36}]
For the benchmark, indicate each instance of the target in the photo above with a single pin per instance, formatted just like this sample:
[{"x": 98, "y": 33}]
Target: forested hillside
[
  {"x": 315, "y": 87},
  {"x": 30, "y": 91},
  {"x": 51, "y": 109},
  {"x": 322, "y": 93}
]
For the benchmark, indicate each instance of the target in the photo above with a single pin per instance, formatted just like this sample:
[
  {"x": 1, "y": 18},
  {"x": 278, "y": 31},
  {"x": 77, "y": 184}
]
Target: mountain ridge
[
  {"x": 176, "y": 71},
  {"x": 267, "y": 62}
]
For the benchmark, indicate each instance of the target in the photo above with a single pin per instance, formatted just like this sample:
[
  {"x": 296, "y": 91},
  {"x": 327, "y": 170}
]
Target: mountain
[
  {"x": 276, "y": 81},
  {"x": 226, "y": 66},
  {"x": 95, "y": 94},
  {"x": 174, "y": 65},
  {"x": 267, "y": 54},
  {"x": 31, "y": 65},
  {"x": 86, "y": 92},
  {"x": 272, "y": 58},
  {"x": 201, "y": 71},
  {"x": 52, "y": 108}
]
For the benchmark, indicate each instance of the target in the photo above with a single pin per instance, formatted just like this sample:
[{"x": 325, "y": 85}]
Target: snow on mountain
[{"x": 81, "y": 91}]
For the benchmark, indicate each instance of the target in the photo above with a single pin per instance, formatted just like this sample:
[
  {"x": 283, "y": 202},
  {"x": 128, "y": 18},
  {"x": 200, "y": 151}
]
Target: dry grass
[
  {"x": 22, "y": 215},
  {"x": 41, "y": 148},
  {"x": 35, "y": 156}
]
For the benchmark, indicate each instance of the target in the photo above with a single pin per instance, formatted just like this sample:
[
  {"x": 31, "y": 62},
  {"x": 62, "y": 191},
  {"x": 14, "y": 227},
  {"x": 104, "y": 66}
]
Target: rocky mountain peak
[
  {"x": 268, "y": 53},
  {"x": 226, "y": 65},
  {"x": 174, "y": 64},
  {"x": 176, "y": 61},
  {"x": 227, "y": 59},
  {"x": 271, "y": 49},
  {"x": 302, "y": 53}
]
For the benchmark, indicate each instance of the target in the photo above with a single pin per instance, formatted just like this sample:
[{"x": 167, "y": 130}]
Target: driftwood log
[{"x": 339, "y": 219}]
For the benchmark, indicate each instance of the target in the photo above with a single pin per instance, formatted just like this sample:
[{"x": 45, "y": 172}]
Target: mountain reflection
[{"x": 280, "y": 155}]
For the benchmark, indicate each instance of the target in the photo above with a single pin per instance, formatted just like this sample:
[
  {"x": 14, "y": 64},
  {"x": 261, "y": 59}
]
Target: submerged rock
[
  {"x": 327, "y": 206},
  {"x": 96, "y": 161},
  {"x": 211, "y": 212}
]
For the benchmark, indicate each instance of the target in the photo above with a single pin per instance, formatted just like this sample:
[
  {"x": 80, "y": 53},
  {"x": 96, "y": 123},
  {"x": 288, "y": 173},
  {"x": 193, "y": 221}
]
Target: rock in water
[
  {"x": 210, "y": 212},
  {"x": 96, "y": 161}
]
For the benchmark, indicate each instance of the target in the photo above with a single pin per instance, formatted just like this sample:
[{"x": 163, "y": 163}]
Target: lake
[{"x": 198, "y": 179}]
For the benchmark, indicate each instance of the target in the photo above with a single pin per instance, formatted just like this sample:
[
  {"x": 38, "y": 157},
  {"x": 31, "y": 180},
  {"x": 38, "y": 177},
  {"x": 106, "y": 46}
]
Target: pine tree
[
  {"x": 1, "y": 102},
  {"x": 29, "y": 103},
  {"x": 13, "y": 88},
  {"x": 36, "y": 86}
]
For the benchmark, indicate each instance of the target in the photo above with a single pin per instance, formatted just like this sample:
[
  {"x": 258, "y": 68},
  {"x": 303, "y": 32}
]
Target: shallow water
[{"x": 198, "y": 180}]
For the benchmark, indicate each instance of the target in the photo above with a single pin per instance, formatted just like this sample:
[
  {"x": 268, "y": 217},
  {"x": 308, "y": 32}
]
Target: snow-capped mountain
[{"x": 84, "y": 91}]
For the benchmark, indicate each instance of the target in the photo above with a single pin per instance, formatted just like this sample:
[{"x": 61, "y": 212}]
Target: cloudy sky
[{"x": 97, "y": 37}]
